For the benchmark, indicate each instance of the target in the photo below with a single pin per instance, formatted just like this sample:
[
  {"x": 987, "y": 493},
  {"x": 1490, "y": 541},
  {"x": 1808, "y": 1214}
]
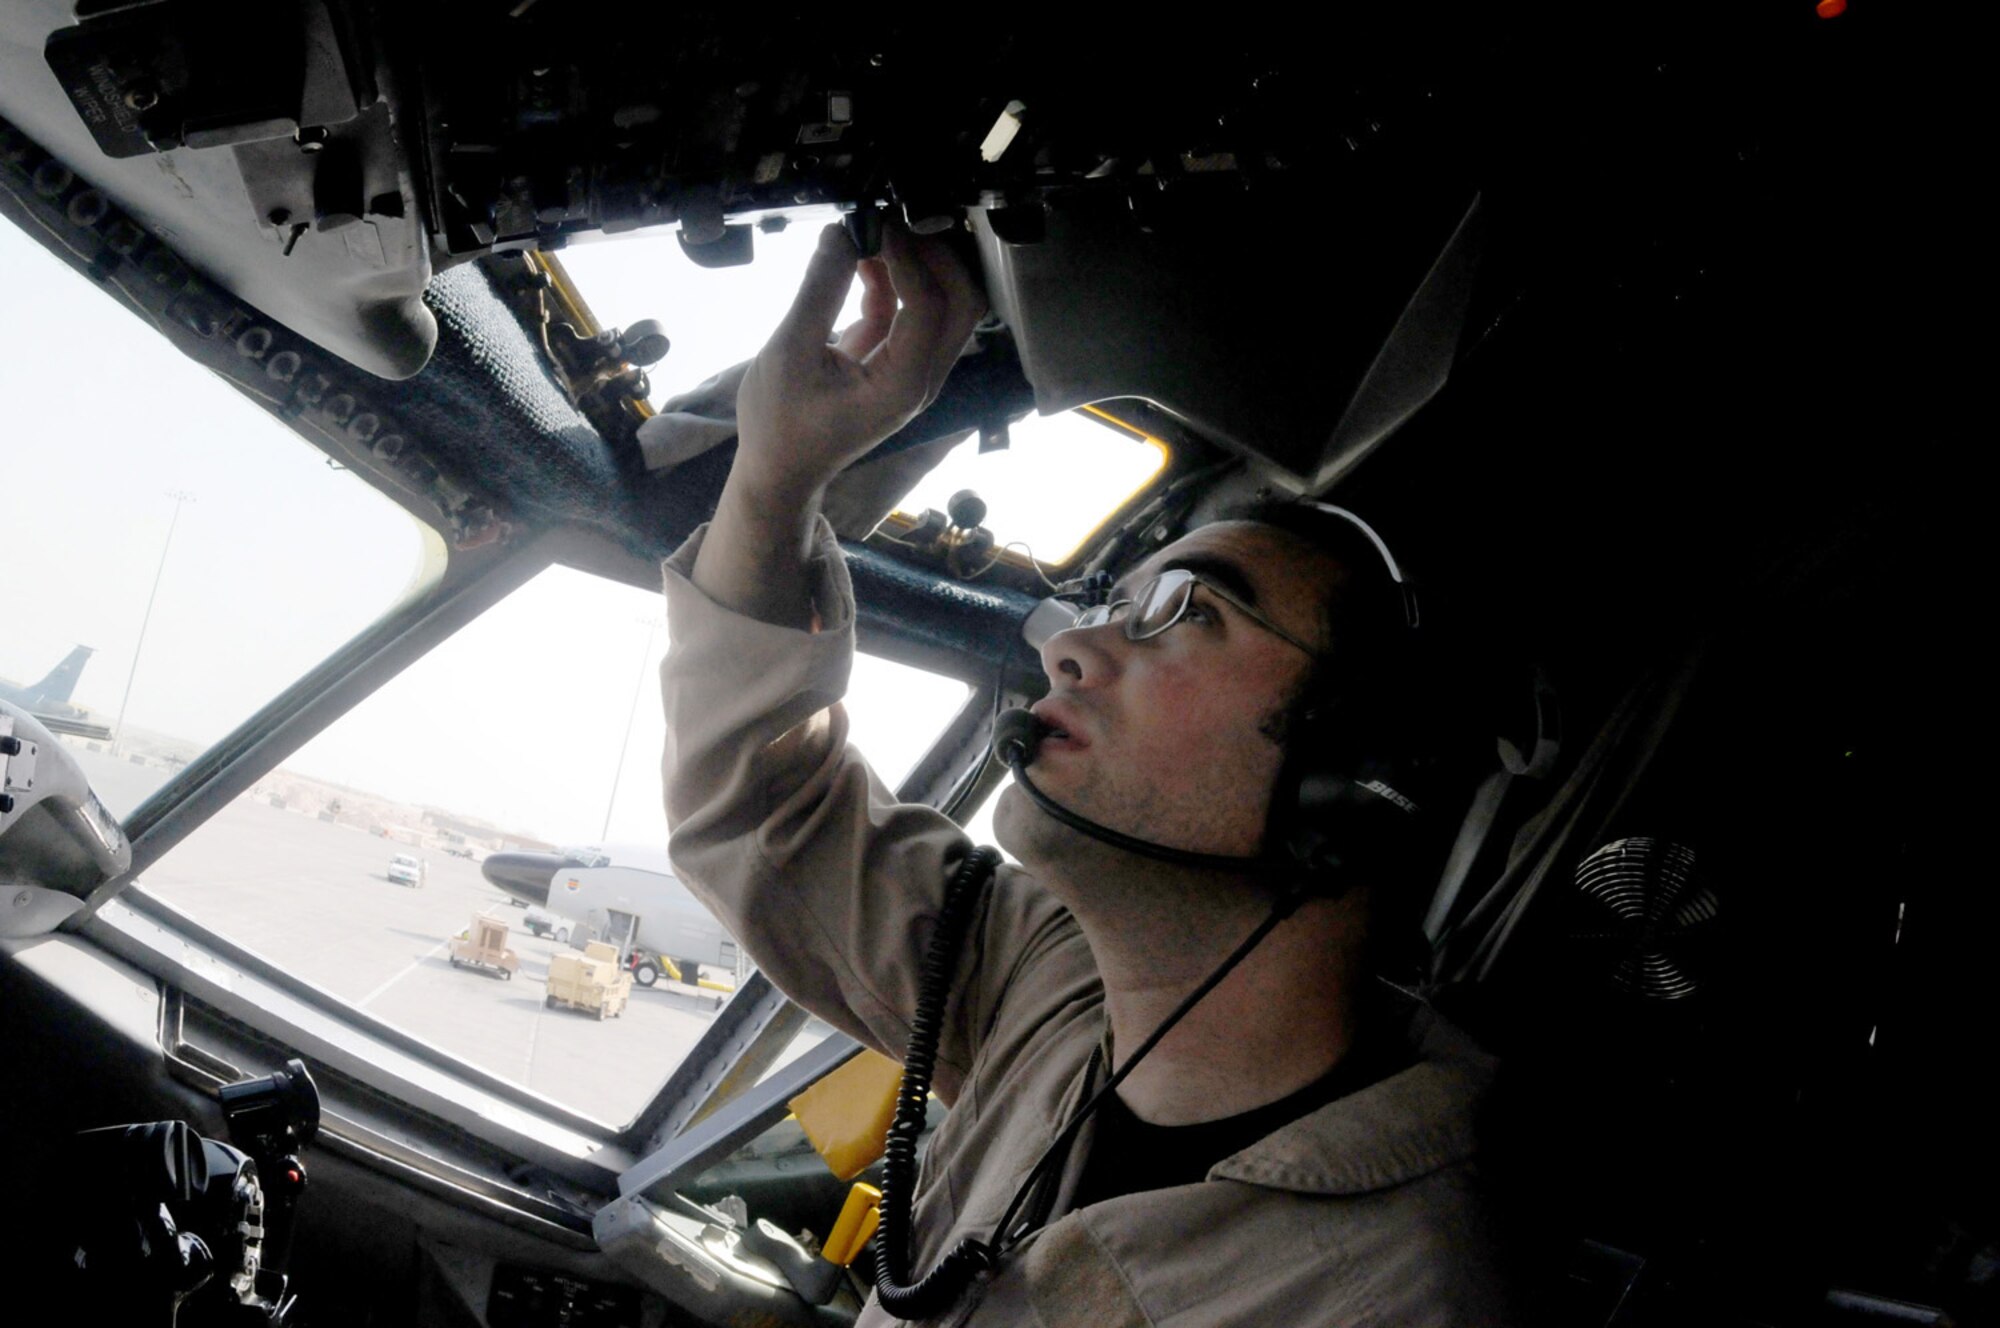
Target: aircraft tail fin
[{"x": 55, "y": 689}]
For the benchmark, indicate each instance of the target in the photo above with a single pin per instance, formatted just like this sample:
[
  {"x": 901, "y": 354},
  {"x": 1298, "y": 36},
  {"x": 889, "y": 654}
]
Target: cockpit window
[
  {"x": 511, "y": 777},
  {"x": 1102, "y": 463},
  {"x": 1056, "y": 481},
  {"x": 980, "y": 824},
  {"x": 175, "y": 557},
  {"x": 714, "y": 317}
]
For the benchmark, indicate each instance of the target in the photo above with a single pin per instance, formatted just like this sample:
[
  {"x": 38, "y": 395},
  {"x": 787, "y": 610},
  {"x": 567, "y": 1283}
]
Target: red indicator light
[{"x": 1830, "y": 8}]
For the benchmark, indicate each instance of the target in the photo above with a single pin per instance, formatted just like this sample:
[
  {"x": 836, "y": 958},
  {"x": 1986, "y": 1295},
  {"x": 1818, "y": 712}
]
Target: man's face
[{"x": 1177, "y": 738}]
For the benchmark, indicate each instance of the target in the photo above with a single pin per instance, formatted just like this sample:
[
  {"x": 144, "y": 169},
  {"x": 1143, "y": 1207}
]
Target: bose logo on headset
[{"x": 1381, "y": 790}]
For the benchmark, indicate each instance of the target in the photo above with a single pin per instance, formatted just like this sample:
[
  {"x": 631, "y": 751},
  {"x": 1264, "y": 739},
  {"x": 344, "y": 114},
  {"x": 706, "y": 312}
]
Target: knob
[
  {"x": 645, "y": 342},
  {"x": 966, "y": 509}
]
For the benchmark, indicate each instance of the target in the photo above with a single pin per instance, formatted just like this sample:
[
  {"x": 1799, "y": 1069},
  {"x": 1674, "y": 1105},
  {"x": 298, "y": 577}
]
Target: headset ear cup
[
  {"x": 1342, "y": 812},
  {"x": 1311, "y": 782},
  {"x": 1345, "y": 807}
]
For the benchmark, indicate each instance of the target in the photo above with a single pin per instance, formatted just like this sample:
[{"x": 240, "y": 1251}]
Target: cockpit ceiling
[{"x": 1283, "y": 229}]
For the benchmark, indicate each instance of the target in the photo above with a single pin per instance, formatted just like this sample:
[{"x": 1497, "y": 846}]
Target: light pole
[
  {"x": 118, "y": 732},
  {"x": 653, "y": 626}
]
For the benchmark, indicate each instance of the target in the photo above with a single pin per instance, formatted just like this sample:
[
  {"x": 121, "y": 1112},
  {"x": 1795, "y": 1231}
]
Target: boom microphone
[{"x": 1016, "y": 734}]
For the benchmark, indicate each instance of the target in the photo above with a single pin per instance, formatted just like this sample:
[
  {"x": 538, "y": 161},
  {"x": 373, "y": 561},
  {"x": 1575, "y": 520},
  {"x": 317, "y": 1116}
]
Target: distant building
[{"x": 469, "y": 831}]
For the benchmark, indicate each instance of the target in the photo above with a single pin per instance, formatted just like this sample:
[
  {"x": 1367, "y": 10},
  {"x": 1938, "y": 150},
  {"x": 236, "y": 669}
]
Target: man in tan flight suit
[{"x": 1299, "y": 1149}]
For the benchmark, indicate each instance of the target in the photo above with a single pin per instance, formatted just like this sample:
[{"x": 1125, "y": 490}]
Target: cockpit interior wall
[{"x": 1805, "y": 992}]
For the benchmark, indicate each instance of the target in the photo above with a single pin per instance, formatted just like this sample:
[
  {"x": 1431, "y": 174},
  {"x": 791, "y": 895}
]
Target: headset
[{"x": 1342, "y": 806}]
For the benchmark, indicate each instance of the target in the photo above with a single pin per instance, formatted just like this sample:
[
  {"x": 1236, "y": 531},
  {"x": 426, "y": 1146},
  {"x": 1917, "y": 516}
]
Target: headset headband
[{"x": 1389, "y": 563}]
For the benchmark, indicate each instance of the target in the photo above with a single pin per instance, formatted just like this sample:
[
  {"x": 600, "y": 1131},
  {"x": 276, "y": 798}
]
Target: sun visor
[{"x": 1308, "y": 352}]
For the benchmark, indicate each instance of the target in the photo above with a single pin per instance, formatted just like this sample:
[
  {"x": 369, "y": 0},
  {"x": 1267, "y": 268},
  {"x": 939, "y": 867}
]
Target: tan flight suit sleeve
[{"x": 783, "y": 831}]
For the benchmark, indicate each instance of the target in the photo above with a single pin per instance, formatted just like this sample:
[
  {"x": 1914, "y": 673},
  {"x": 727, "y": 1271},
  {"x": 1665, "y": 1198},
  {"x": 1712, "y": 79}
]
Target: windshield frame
[
  {"x": 233, "y": 765},
  {"x": 198, "y": 965}
]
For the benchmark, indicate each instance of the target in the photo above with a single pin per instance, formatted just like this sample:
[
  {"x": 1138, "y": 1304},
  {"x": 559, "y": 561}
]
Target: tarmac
[{"x": 314, "y": 898}]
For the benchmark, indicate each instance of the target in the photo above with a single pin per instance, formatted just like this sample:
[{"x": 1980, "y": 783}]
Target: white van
[{"x": 544, "y": 923}]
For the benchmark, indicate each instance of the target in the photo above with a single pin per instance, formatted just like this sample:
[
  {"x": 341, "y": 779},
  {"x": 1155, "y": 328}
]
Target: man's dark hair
[
  {"x": 1382, "y": 683},
  {"x": 1363, "y": 613}
]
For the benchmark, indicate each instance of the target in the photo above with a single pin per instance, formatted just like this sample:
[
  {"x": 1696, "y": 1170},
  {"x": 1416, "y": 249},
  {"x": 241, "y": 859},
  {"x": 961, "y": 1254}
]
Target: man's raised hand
[{"x": 809, "y": 406}]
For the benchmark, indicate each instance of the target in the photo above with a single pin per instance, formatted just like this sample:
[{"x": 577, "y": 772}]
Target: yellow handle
[{"x": 859, "y": 1217}]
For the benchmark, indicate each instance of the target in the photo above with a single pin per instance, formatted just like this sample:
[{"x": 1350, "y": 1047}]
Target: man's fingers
[
  {"x": 878, "y": 311},
  {"x": 903, "y": 361},
  {"x": 965, "y": 305},
  {"x": 878, "y": 292},
  {"x": 858, "y": 340},
  {"x": 962, "y": 289},
  {"x": 809, "y": 323}
]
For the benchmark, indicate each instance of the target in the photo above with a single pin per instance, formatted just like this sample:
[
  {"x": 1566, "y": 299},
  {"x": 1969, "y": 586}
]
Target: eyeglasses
[{"x": 1164, "y": 601}]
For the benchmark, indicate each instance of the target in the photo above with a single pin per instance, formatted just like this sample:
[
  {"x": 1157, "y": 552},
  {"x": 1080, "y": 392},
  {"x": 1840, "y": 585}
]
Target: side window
[
  {"x": 176, "y": 557},
  {"x": 980, "y": 824},
  {"x": 477, "y": 853},
  {"x": 1103, "y": 462}
]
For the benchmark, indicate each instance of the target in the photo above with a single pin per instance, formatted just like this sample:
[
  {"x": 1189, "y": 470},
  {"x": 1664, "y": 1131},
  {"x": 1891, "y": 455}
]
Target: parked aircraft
[
  {"x": 48, "y": 700},
  {"x": 1647, "y": 335},
  {"x": 523, "y": 876},
  {"x": 628, "y": 897}
]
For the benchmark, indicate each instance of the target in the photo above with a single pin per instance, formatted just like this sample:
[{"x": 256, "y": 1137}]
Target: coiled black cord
[{"x": 936, "y": 1291}]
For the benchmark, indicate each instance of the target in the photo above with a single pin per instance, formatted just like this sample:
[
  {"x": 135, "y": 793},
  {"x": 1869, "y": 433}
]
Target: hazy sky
[
  {"x": 278, "y": 558},
  {"x": 277, "y": 561}
]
